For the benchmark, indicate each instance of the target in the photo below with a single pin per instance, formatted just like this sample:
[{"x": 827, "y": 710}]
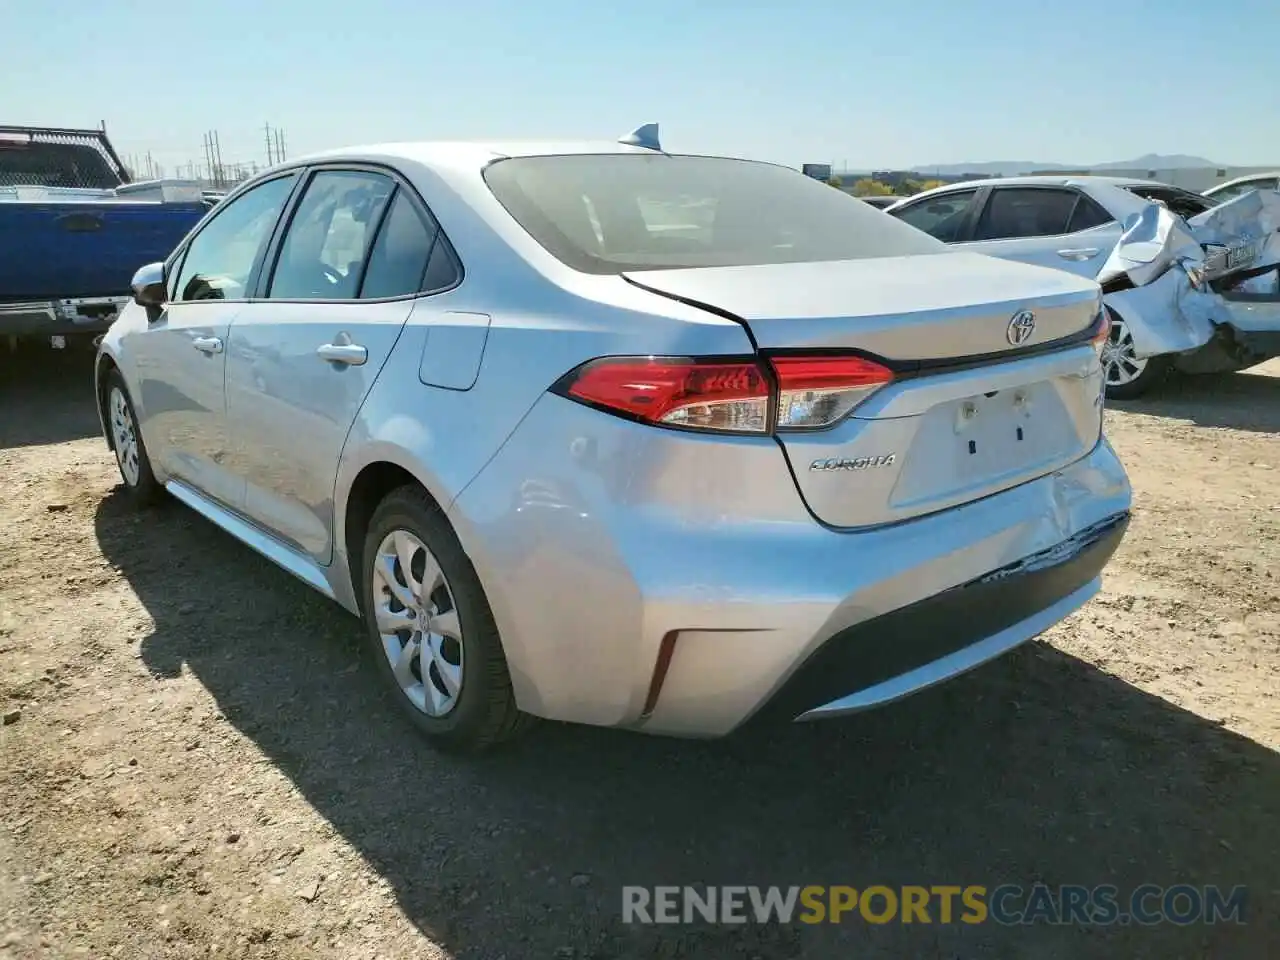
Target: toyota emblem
[{"x": 1021, "y": 327}]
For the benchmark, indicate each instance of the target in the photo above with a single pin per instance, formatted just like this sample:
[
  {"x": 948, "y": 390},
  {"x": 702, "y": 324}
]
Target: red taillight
[
  {"x": 818, "y": 391},
  {"x": 679, "y": 392},
  {"x": 1101, "y": 328},
  {"x": 727, "y": 396}
]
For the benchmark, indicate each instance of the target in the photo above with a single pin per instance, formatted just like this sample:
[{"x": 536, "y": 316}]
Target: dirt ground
[{"x": 196, "y": 761}]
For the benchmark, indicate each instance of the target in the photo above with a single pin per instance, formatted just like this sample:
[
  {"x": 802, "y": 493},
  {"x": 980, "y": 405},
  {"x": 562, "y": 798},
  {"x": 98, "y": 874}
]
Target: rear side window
[
  {"x": 1087, "y": 215},
  {"x": 942, "y": 217},
  {"x": 442, "y": 270},
  {"x": 1013, "y": 213},
  {"x": 400, "y": 254},
  {"x": 610, "y": 213}
]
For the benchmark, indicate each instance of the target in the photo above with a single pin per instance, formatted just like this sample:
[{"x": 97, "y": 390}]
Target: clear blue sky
[{"x": 880, "y": 84}]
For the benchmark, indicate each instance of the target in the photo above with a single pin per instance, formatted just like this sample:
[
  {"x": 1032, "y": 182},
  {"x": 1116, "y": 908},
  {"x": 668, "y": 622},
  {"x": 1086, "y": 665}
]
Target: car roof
[
  {"x": 1056, "y": 179},
  {"x": 468, "y": 154},
  {"x": 1245, "y": 179}
]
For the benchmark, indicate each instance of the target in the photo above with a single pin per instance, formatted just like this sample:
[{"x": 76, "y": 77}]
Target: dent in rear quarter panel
[{"x": 595, "y": 536}]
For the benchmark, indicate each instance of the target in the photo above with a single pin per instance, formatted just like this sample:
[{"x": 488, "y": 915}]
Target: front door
[
  {"x": 302, "y": 360},
  {"x": 181, "y": 355}
]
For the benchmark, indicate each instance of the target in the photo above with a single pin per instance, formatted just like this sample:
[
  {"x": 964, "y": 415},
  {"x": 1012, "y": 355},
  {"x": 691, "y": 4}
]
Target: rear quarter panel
[{"x": 537, "y": 332}]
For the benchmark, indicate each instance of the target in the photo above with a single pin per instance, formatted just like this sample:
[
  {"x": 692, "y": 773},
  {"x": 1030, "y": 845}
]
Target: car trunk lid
[
  {"x": 984, "y": 398},
  {"x": 943, "y": 306}
]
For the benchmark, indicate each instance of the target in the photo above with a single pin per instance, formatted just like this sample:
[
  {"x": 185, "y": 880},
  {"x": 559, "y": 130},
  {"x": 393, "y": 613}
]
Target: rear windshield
[
  {"x": 1182, "y": 202},
  {"x": 609, "y": 213}
]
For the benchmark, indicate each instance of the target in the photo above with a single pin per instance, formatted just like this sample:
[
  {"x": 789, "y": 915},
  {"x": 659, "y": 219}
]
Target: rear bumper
[
  {"x": 60, "y": 317},
  {"x": 1254, "y": 320},
  {"x": 930, "y": 641},
  {"x": 640, "y": 579}
]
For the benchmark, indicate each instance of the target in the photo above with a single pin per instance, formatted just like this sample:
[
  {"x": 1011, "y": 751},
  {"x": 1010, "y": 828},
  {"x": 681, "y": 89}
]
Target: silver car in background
[
  {"x": 599, "y": 433},
  {"x": 1221, "y": 315}
]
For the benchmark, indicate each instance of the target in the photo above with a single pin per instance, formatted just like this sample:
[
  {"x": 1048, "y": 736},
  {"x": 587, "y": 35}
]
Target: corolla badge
[
  {"x": 853, "y": 463},
  {"x": 1021, "y": 327}
]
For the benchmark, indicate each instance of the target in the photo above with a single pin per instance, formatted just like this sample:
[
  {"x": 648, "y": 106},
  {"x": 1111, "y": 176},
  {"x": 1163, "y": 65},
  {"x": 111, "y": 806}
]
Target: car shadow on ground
[
  {"x": 38, "y": 378},
  {"x": 1238, "y": 401},
  {"x": 1036, "y": 768}
]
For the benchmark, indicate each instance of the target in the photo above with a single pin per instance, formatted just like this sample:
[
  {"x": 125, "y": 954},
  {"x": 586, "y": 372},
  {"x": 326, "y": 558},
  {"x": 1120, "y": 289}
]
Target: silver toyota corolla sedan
[{"x": 600, "y": 433}]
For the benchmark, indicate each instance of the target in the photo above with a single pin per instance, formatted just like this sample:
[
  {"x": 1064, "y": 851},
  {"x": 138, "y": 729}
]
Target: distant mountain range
[{"x": 1009, "y": 168}]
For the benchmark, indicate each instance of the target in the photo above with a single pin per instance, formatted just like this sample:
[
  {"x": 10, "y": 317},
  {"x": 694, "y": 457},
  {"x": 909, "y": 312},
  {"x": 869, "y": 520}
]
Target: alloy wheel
[
  {"x": 418, "y": 623},
  {"x": 1119, "y": 363},
  {"x": 124, "y": 436}
]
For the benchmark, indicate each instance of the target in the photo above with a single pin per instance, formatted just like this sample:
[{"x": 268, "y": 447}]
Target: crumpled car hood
[
  {"x": 1240, "y": 235},
  {"x": 1157, "y": 277}
]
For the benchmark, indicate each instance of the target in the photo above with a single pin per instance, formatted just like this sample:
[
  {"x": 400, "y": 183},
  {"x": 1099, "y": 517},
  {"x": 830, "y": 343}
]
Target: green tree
[
  {"x": 866, "y": 187},
  {"x": 836, "y": 182}
]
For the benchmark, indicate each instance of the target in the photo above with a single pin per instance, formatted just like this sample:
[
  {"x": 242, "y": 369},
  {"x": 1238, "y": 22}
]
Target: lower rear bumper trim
[
  {"x": 917, "y": 646},
  {"x": 962, "y": 661}
]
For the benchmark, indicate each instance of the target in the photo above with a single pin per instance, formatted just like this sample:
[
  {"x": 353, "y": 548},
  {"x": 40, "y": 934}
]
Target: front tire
[
  {"x": 1127, "y": 375},
  {"x": 126, "y": 442},
  {"x": 430, "y": 629}
]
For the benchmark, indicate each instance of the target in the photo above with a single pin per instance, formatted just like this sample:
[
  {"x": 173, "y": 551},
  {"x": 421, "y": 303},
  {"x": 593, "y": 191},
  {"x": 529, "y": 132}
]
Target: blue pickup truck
[{"x": 73, "y": 229}]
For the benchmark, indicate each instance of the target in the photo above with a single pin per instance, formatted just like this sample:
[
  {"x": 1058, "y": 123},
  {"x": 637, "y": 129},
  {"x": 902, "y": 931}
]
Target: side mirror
[{"x": 148, "y": 286}]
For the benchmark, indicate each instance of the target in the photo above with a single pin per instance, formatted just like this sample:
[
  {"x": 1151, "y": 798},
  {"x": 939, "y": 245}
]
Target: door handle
[
  {"x": 1082, "y": 254},
  {"x": 352, "y": 354},
  {"x": 208, "y": 345}
]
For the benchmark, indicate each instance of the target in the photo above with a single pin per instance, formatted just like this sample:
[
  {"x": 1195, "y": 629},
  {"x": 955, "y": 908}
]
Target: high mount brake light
[{"x": 727, "y": 396}]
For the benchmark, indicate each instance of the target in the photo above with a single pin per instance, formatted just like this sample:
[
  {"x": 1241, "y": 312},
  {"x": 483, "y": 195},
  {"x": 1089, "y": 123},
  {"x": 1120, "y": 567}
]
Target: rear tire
[
  {"x": 430, "y": 629},
  {"x": 1128, "y": 376},
  {"x": 126, "y": 442}
]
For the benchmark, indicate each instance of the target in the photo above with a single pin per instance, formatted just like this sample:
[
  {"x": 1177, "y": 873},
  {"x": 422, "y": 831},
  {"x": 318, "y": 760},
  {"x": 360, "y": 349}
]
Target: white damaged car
[{"x": 1190, "y": 284}]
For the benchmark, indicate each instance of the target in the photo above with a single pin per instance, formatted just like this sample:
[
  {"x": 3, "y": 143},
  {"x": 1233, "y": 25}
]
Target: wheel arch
[
  {"x": 1155, "y": 319},
  {"x": 103, "y": 364},
  {"x": 361, "y": 488}
]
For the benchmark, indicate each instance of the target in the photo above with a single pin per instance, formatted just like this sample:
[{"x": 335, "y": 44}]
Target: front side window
[
  {"x": 221, "y": 256},
  {"x": 613, "y": 213},
  {"x": 942, "y": 217},
  {"x": 1014, "y": 213},
  {"x": 329, "y": 236}
]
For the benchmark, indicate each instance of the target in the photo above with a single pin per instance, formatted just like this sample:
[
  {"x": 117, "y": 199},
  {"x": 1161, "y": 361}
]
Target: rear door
[
  {"x": 358, "y": 250},
  {"x": 1049, "y": 226}
]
